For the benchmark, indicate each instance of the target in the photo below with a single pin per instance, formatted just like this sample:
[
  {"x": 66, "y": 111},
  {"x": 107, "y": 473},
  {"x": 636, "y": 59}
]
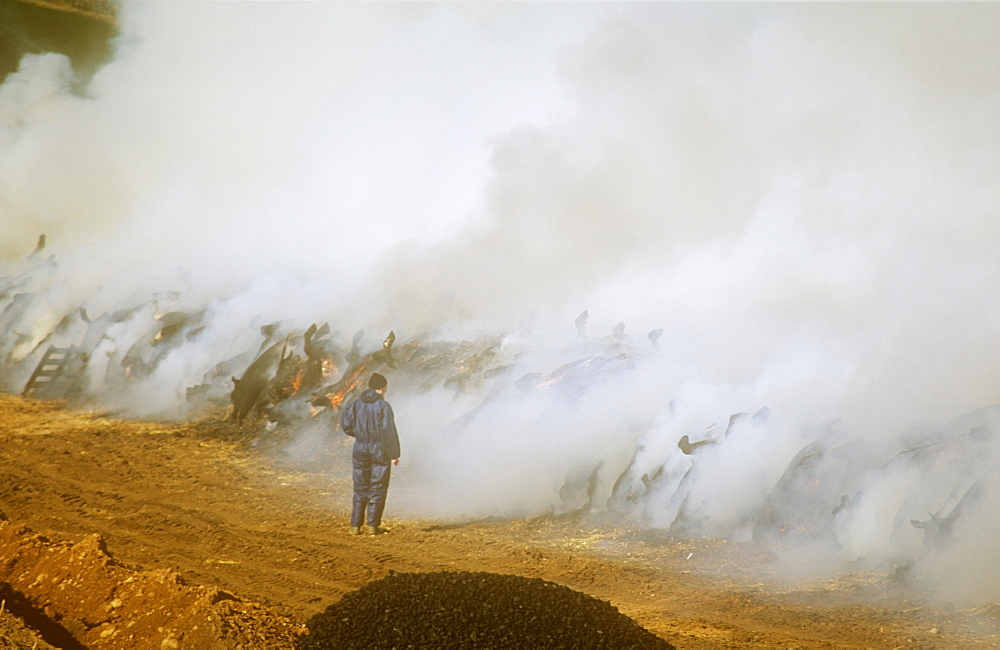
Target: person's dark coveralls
[{"x": 369, "y": 420}]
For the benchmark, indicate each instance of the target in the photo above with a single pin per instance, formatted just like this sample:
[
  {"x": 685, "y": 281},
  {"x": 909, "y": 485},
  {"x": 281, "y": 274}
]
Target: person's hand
[{"x": 395, "y": 461}]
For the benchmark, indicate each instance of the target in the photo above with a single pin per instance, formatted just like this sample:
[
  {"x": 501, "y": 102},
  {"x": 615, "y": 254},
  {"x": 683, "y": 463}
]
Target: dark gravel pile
[{"x": 472, "y": 610}]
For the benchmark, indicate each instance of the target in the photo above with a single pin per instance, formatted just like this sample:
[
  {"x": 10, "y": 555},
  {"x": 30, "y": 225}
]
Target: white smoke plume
[{"x": 804, "y": 198}]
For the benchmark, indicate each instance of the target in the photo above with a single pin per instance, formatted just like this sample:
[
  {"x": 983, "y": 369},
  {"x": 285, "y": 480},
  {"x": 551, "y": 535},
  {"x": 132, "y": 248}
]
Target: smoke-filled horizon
[{"x": 802, "y": 197}]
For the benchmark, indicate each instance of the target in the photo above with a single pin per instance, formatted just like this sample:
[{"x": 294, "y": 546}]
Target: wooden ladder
[{"x": 55, "y": 374}]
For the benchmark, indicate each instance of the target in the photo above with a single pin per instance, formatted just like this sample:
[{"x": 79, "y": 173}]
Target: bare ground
[{"x": 127, "y": 534}]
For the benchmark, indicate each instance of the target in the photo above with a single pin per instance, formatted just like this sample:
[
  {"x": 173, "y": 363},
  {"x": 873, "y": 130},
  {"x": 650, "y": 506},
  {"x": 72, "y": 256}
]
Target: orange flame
[{"x": 347, "y": 385}]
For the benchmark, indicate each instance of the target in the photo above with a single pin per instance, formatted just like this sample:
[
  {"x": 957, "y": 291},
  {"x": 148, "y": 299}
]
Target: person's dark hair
[{"x": 377, "y": 381}]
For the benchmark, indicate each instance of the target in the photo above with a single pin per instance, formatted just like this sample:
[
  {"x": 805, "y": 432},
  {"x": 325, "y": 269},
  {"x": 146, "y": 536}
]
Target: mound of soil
[
  {"x": 462, "y": 609},
  {"x": 77, "y": 596}
]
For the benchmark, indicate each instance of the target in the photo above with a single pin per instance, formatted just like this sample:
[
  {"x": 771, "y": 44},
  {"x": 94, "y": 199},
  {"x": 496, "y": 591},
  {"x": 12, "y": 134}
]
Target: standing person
[{"x": 369, "y": 420}]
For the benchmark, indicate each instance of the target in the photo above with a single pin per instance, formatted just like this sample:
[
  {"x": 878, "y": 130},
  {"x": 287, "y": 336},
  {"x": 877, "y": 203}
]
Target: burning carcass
[
  {"x": 286, "y": 386},
  {"x": 418, "y": 366},
  {"x": 336, "y": 394},
  {"x": 278, "y": 378}
]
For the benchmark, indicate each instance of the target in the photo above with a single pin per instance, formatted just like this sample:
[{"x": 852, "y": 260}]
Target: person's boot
[
  {"x": 375, "y": 530},
  {"x": 354, "y": 530}
]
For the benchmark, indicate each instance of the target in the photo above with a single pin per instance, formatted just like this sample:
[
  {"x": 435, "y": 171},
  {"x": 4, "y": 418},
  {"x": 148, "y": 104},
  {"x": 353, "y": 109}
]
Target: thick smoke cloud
[{"x": 802, "y": 197}]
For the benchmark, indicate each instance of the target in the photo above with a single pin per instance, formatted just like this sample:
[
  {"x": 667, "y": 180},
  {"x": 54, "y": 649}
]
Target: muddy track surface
[{"x": 199, "y": 512}]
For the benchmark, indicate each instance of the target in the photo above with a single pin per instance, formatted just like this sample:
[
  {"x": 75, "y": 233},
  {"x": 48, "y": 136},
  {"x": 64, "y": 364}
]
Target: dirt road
[{"x": 198, "y": 501}]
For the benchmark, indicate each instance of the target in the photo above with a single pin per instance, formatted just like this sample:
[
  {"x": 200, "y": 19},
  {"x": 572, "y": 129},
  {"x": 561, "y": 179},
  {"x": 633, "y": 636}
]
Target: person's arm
[
  {"x": 347, "y": 420},
  {"x": 390, "y": 437}
]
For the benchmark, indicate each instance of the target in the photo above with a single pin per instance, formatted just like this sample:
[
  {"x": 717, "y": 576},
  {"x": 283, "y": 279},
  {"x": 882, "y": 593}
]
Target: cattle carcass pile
[{"x": 289, "y": 374}]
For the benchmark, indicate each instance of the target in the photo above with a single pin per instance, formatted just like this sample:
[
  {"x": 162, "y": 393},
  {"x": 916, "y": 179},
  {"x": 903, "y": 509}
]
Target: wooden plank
[{"x": 55, "y": 374}]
